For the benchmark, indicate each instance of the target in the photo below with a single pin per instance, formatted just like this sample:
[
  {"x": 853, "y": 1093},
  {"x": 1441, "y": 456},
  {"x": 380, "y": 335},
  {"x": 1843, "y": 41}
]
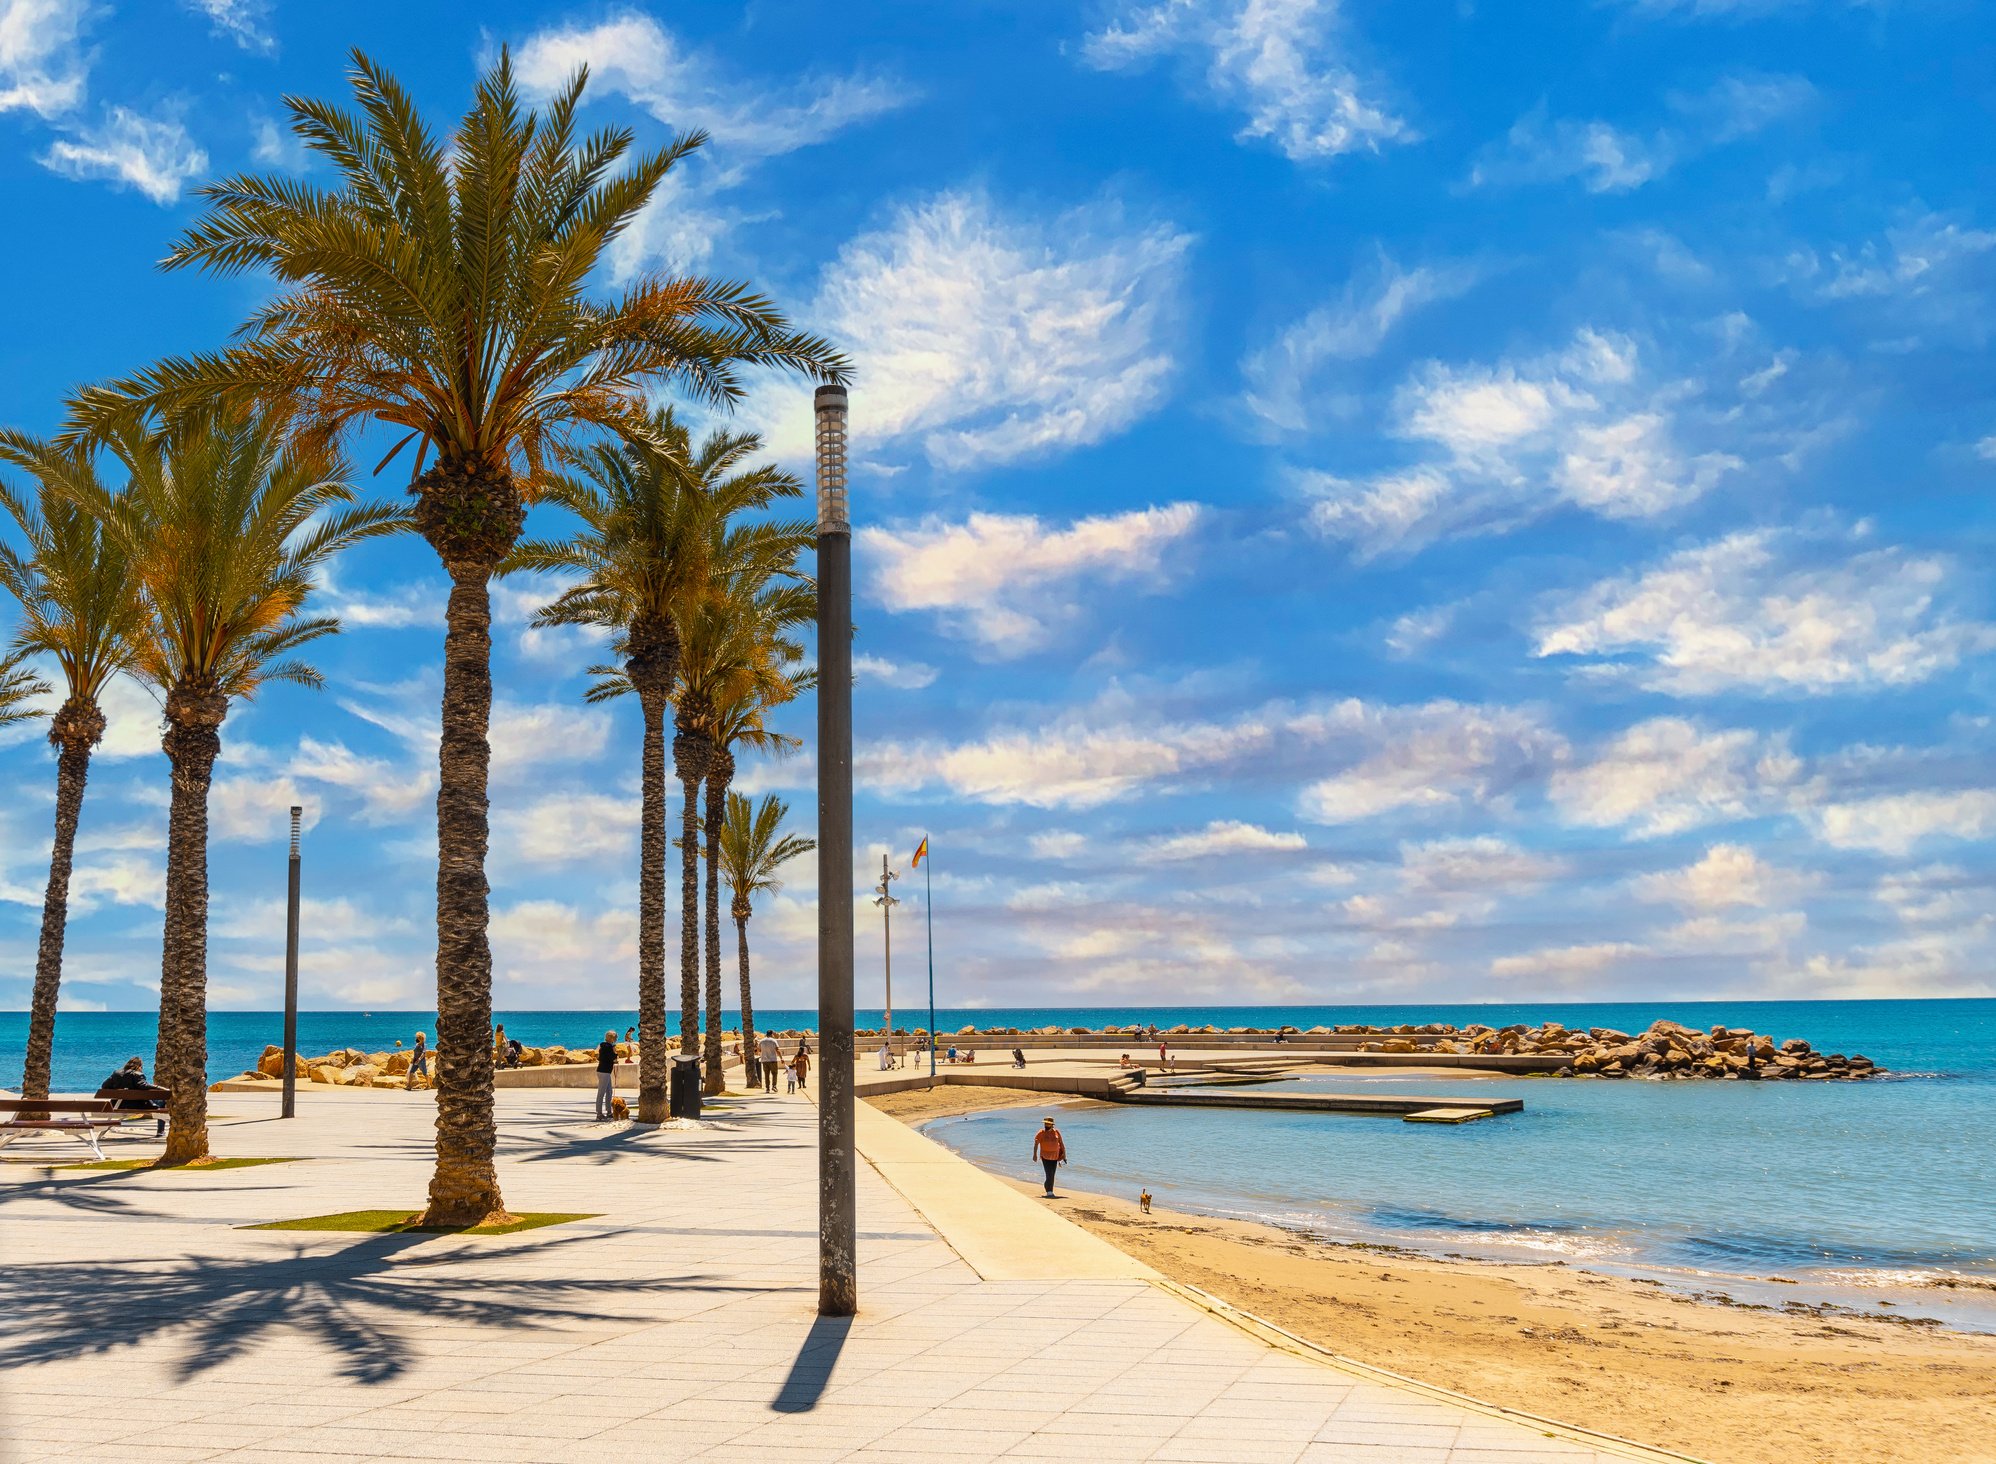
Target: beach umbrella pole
[{"x": 838, "y": 1280}]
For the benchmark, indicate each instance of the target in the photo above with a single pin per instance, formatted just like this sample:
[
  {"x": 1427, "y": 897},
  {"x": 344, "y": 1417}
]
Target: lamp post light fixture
[
  {"x": 838, "y": 1278},
  {"x": 887, "y": 902},
  {"x": 291, "y": 977}
]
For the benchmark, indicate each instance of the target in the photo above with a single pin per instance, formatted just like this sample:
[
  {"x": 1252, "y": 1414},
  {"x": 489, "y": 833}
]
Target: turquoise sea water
[
  {"x": 1885, "y": 1185},
  {"x": 1877, "y": 1191}
]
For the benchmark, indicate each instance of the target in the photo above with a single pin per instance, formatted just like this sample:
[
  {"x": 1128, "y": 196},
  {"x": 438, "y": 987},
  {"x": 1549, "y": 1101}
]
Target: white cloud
[
  {"x": 1003, "y": 579},
  {"x": 991, "y": 336},
  {"x": 1667, "y": 775},
  {"x": 1927, "y": 257},
  {"x": 1474, "y": 866},
  {"x": 1059, "y": 844},
  {"x": 1540, "y": 149},
  {"x": 242, "y": 21},
  {"x": 636, "y": 56},
  {"x": 527, "y": 737},
  {"x": 901, "y": 675},
  {"x": 43, "y": 65},
  {"x": 1284, "y": 380},
  {"x": 1282, "y": 62},
  {"x": 543, "y": 944},
  {"x": 1505, "y": 443},
  {"x": 397, "y": 607},
  {"x": 1743, "y": 103},
  {"x": 1986, "y": 449},
  {"x": 155, "y": 155},
  {"x": 570, "y": 828},
  {"x": 1219, "y": 838},
  {"x": 277, "y": 146},
  {"x": 1731, "y": 615},
  {"x": 1895, "y": 823},
  {"x": 1566, "y": 964},
  {"x": 1728, "y": 875},
  {"x": 388, "y": 791},
  {"x": 1437, "y": 756},
  {"x": 132, "y": 721}
]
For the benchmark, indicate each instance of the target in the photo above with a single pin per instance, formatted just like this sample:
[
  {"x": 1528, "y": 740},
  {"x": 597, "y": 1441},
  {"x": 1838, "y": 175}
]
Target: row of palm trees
[{"x": 447, "y": 289}]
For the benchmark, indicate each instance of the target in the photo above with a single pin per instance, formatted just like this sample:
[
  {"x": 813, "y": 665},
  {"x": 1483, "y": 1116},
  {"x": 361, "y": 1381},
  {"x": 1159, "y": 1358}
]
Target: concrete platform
[{"x": 1376, "y": 1103}]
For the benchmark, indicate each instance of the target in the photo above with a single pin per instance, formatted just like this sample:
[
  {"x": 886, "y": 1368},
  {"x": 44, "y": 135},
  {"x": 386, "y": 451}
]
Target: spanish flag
[{"x": 920, "y": 854}]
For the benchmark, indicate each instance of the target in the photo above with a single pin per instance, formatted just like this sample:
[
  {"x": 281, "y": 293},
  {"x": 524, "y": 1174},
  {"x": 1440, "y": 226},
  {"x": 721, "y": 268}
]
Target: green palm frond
[
  {"x": 19, "y": 687},
  {"x": 754, "y": 847},
  {"x": 443, "y": 285}
]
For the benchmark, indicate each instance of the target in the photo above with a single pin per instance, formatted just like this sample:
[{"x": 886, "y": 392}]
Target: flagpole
[{"x": 929, "y": 909}]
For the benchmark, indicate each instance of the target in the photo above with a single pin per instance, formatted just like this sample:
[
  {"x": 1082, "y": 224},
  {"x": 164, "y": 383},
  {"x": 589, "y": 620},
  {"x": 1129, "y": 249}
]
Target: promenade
[{"x": 141, "y": 1321}]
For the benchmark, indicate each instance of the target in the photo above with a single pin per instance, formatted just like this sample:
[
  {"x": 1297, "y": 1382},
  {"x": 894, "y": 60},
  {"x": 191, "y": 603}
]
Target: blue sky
[{"x": 1357, "y": 502}]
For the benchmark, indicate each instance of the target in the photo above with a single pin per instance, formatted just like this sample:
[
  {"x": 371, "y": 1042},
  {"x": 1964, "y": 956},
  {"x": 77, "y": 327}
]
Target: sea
[{"x": 1878, "y": 1194}]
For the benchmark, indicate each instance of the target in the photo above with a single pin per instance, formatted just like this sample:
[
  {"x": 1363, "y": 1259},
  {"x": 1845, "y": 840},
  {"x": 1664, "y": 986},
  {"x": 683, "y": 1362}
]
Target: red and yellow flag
[{"x": 920, "y": 854}]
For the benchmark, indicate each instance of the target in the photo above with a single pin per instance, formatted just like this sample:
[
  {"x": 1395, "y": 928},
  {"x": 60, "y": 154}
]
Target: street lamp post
[
  {"x": 838, "y": 1275},
  {"x": 887, "y": 902},
  {"x": 291, "y": 978}
]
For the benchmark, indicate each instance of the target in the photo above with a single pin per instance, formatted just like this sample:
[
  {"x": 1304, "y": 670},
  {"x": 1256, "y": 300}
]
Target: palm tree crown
[{"x": 754, "y": 847}]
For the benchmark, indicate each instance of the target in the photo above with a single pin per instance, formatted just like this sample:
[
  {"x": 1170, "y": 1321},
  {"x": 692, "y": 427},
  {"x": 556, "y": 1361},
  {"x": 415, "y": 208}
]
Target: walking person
[
  {"x": 419, "y": 1062},
  {"x": 499, "y": 1045},
  {"x": 606, "y": 1072},
  {"x": 802, "y": 1063},
  {"x": 1051, "y": 1150},
  {"x": 770, "y": 1057}
]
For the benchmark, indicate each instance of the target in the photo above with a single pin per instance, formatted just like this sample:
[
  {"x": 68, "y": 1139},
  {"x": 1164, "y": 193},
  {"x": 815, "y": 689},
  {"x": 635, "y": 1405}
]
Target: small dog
[
  {"x": 1143, "y": 1201},
  {"x": 619, "y": 1108}
]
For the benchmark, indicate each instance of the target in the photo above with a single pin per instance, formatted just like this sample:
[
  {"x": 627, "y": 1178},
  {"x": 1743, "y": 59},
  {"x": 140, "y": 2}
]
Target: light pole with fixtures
[{"x": 887, "y": 902}]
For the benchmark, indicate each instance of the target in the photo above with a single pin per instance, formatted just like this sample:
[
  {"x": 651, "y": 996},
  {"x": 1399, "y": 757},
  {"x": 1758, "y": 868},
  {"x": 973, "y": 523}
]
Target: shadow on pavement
[
  {"x": 349, "y": 1299},
  {"x": 812, "y": 1371}
]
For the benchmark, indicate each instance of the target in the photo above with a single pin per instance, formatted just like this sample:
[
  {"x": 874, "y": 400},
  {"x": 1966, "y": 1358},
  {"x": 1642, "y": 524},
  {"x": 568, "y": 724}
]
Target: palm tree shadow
[
  {"x": 88, "y": 1193},
  {"x": 348, "y": 1299}
]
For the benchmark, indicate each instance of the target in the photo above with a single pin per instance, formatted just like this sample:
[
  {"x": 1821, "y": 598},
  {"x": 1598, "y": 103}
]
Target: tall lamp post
[
  {"x": 838, "y": 1221},
  {"x": 291, "y": 978},
  {"x": 887, "y": 902}
]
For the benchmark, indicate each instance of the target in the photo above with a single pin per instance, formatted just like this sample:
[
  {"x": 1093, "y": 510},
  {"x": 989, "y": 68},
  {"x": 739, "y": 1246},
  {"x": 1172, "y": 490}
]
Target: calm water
[{"x": 1886, "y": 1183}]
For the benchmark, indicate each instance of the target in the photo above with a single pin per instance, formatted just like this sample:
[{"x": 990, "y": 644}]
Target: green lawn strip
[
  {"x": 392, "y": 1222},
  {"x": 155, "y": 1165}
]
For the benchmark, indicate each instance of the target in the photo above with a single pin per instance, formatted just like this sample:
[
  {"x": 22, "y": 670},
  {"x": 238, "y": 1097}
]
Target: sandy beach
[{"x": 1724, "y": 1382}]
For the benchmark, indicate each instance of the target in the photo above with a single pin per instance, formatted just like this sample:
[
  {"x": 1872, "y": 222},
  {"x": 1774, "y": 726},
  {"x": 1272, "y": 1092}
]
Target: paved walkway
[{"x": 139, "y": 1322}]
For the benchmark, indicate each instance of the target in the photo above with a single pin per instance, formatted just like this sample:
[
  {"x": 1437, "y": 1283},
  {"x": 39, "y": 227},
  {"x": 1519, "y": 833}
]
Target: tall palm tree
[
  {"x": 223, "y": 523},
  {"x": 443, "y": 287},
  {"x": 80, "y": 608},
  {"x": 753, "y": 849},
  {"x": 661, "y": 518},
  {"x": 740, "y": 664}
]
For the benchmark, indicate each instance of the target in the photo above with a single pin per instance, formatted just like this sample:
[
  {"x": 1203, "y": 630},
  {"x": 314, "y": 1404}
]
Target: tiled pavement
[{"x": 139, "y": 1323}]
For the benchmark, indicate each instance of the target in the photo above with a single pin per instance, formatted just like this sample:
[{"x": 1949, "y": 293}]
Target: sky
[{"x": 1354, "y": 502}]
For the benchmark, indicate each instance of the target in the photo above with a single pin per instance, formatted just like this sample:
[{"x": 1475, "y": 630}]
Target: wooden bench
[{"x": 86, "y": 1118}]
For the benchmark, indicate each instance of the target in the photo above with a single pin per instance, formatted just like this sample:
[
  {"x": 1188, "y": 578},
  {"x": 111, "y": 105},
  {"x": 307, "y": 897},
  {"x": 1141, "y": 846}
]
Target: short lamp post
[
  {"x": 291, "y": 977},
  {"x": 838, "y": 1220}
]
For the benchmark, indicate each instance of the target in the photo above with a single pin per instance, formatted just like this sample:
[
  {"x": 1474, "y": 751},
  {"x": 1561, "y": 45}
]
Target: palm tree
[
  {"x": 753, "y": 848},
  {"x": 443, "y": 288},
  {"x": 80, "y": 608},
  {"x": 739, "y": 665},
  {"x": 223, "y": 523},
  {"x": 660, "y": 520}
]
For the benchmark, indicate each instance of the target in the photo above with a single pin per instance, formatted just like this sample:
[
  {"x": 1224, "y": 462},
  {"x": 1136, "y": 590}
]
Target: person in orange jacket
[{"x": 1051, "y": 1150}]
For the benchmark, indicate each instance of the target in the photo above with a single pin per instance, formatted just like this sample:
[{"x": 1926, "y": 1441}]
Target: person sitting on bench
[{"x": 133, "y": 1075}]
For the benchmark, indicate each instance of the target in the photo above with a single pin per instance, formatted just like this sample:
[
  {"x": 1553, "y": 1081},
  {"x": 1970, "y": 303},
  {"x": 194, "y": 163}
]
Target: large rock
[{"x": 271, "y": 1064}]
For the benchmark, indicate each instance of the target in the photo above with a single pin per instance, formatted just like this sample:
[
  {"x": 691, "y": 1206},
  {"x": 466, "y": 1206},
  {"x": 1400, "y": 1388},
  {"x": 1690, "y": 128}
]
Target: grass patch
[
  {"x": 200, "y": 1166},
  {"x": 396, "y": 1222}
]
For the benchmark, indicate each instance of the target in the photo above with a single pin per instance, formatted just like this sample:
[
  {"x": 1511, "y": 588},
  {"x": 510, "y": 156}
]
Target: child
[
  {"x": 1143, "y": 1201},
  {"x": 789, "y": 1077}
]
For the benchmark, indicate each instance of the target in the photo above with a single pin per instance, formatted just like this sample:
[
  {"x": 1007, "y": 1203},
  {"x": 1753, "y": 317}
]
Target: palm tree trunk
[
  {"x": 193, "y": 741},
  {"x": 464, "y": 1189},
  {"x": 651, "y": 914},
  {"x": 751, "y": 1067},
  {"x": 686, "y": 760},
  {"x": 76, "y": 729},
  {"x": 718, "y": 771}
]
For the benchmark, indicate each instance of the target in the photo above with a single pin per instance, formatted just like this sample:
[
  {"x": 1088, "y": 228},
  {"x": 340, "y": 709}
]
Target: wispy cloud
[
  {"x": 1740, "y": 614},
  {"x": 1004, "y": 580},
  {"x": 992, "y": 335},
  {"x": 154, "y": 155},
  {"x": 1667, "y": 775},
  {"x": 44, "y": 65},
  {"x": 1285, "y": 382},
  {"x": 242, "y": 21},
  {"x": 1282, "y": 62}
]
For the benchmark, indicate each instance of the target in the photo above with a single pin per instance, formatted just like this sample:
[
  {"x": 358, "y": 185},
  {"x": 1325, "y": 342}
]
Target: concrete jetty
[{"x": 1397, "y": 1105}]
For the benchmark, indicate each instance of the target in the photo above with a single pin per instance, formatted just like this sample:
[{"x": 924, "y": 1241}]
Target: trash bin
[{"x": 683, "y": 1091}]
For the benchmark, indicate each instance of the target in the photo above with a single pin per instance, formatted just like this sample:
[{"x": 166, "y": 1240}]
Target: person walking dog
[
  {"x": 606, "y": 1073},
  {"x": 1051, "y": 1150}
]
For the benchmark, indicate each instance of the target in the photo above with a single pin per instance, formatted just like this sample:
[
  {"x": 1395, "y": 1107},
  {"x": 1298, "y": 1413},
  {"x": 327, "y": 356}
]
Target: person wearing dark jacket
[
  {"x": 133, "y": 1075},
  {"x": 606, "y": 1072}
]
